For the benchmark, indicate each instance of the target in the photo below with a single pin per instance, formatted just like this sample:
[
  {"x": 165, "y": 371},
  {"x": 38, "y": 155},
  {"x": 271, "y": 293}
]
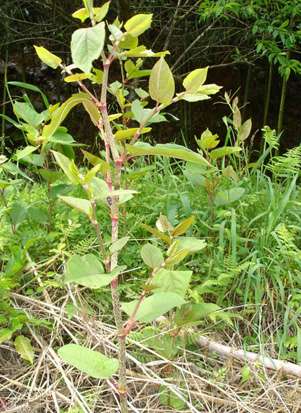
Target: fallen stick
[{"x": 247, "y": 356}]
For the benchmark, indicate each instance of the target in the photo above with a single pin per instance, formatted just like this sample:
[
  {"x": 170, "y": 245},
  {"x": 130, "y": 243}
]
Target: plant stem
[
  {"x": 268, "y": 95},
  {"x": 111, "y": 148},
  {"x": 282, "y": 104}
]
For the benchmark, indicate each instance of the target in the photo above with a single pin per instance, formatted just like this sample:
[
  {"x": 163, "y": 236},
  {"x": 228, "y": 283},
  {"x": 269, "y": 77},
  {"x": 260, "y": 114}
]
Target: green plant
[{"x": 103, "y": 184}]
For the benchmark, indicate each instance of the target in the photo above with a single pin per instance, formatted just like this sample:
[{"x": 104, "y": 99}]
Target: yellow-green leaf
[
  {"x": 225, "y": 151},
  {"x": 24, "y": 348},
  {"x": 138, "y": 24},
  {"x": 47, "y": 57},
  {"x": 81, "y": 204},
  {"x": 208, "y": 140},
  {"x": 195, "y": 80},
  {"x": 77, "y": 77},
  {"x": 183, "y": 226},
  {"x": 161, "y": 82},
  {"x": 129, "y": 133}
]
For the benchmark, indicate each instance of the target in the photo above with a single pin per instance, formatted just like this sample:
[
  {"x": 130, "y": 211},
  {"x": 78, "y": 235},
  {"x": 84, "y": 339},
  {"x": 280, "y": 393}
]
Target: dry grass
[{"x": 209, "y": 385}]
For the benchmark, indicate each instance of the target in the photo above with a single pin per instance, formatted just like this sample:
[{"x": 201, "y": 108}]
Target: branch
[{"x": 250, "y": 357}]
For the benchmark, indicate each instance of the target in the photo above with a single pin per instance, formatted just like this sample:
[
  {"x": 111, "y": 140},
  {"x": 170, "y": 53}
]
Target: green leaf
[
  {"x": 88, "y": 271},
  {"x": 190, "y": 243},
  {"x": 161, "y": 82},
  {"x": 141, "y": 51},
  {"x": 128, "y": 41},
  {"x": 68, "y": 166},
  {"x": 119, "y": 244},
  {"x": 225, "y": 151},
  {"x": 192, "y": 313},
  {"x": 82, "y": 205},
  {"x": 138, "y": 24},
  {"x": 26, "y": 112},
  {"x": 167, "y": 149},
  {"x": 228, "y": 196},
  {"x": 210, "y": 89},
  {"x": 62, "y": 112},
  {"x": 24, "y": 348},
  {"x": 195, "y": 79},
  {"x": 152, "y": 256},
  {"x": 154, "y": 306},
  {"x": 87, "y": 45},
  {"x": 33, "y": 88},
  {"x": 61, "y": 137},
  {"x": 47, "y": 57},
  {"x": 129, "y": 133},
  {"x": 90, "y": 362},
  {"x": 194, "y": 97},
  {"x": 168, "y": 398},
  {"x": 171, "y": 281},
  {"x": 5, "y": 335},
  {"x": 21, "y": 153}
]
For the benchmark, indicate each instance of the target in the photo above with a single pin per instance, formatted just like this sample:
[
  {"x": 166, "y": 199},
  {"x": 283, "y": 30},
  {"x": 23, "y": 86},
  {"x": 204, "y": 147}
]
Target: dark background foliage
[{"x": 219, "y": 34}]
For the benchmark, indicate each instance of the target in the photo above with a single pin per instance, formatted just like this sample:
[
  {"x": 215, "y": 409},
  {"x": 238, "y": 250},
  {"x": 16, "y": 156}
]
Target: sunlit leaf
[
  {"x": 195, "y": 80},
  {"x": 161, "y": 82},
  {"x": 138, "y": 24},
  {"x": 47, "y": 57}
]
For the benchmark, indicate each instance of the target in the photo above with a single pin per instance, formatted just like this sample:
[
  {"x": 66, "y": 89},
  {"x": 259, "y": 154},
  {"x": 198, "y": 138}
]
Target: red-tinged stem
[{"x": 112, "y": 149}]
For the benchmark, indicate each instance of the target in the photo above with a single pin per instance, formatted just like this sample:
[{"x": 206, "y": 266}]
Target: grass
[{"x": 250, "y": 268}]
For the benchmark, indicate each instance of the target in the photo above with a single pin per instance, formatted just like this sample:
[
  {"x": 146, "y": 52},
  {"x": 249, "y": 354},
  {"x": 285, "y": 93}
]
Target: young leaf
[
  {"x": 138, "y": 24},
  {"x": 195, "y": 80},
  {"x": 168, "y": 149},
  {"x": 87, "y": 45},
  {"x": 191, "y": 244},
  {"x": 244, "y": 130},
  {"x": 99, "y": 13},
  {"x": 154, "y": 306},
  {"x": 77, "y": 77},
  {"x": 119, "y": 244},
  {"x": 191, "y": 313},
  {"x": 68, "y": 167},
  {"x": 208, "y": 140},
  {"x": 24, "y": 348},
  {"x": 22, "y": 153},
  {"x": 225, "y": 151},
  {"x": 158, "y": 234},
  {"x": 171, "y": 281},
  {"x": 87, "y": 270},
  {"x": 183, "y": 226},
  {"x": 129, "y": 133},
  {"x": 152, "y": 256},
  {"x": 82, "y": 205},
  {"x": 90, "y": 362},
  {"x": 161, "y": 82},
  {"x": 47, "y": 57}
]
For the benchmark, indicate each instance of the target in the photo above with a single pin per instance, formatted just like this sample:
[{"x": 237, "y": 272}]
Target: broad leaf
[
  {"x": 152, "y": 256},
  {"x": 129, "y": 133},
  {"x": 77, "y": 77},
  {"x": 167, "y": 149},
  {"x": 119, "y": 244},
  {"x": 87, "y": 45},
  {"x": 191, "y": 313},
  {"x": 225, "y": 151},
  {"x": 244, "y": 130},
  {"x": 154, "y": 306},
  {"x": 26, "y": 112},
  {"x": 190, "y": 243},
  {"x": 208, "y": 140},
  {"x": 88, "y": 271},
  {"x": 99, "y": 13},
  {"x": 47, "y": 57},
  {"x": 24, "y": 348},
  {"x": 82, "y": 205},
  {"x": 68, "y": 166},
  {"x": 171, "y": 281},
  {"x": 195, "y": 80},
  {"x": 161, "y": 82},
  {"x": 22, "y": 153},
  {"x": 90, "y": 362},
  {"x": 62, "y": 112},
  {"x": 138, "y": 24},
  {"x": 183, "y": 226}
]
